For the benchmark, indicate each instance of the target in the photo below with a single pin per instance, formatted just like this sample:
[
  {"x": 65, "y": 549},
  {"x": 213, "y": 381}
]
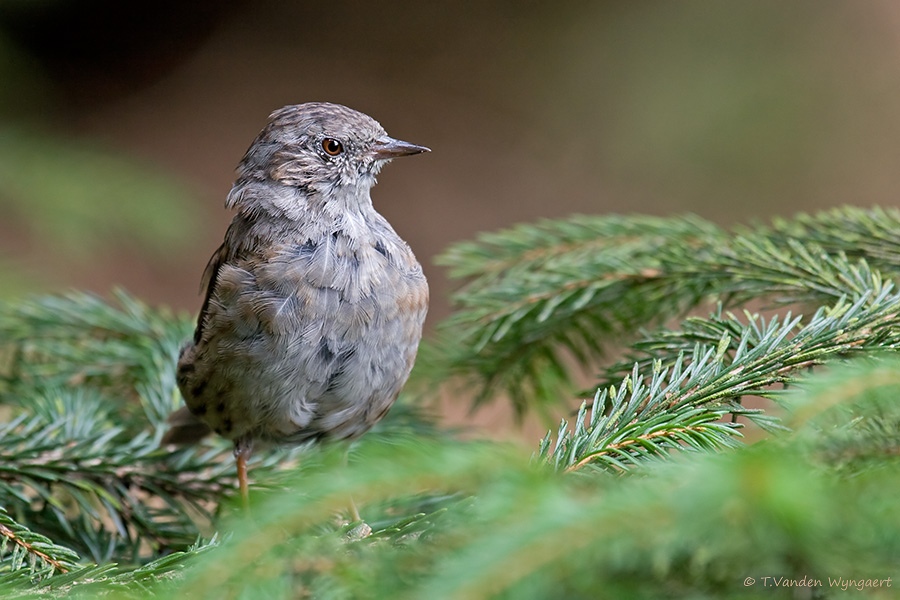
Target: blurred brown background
[{"x": 121, "y": 123}]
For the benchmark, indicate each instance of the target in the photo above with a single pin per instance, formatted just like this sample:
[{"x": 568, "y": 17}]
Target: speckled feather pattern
[{"x": 314, "y": 305}]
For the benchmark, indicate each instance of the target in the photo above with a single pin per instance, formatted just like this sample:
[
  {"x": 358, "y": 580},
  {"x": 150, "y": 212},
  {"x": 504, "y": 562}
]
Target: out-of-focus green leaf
[{"x": 74, "y": 195}]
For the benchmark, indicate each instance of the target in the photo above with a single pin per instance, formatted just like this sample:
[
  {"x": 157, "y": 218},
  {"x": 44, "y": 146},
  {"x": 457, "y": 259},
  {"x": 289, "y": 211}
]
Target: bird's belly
[{"x": 311, "y": 363}]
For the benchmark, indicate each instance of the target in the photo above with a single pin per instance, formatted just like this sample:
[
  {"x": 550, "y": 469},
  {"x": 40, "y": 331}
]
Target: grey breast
[{"x": 309, "y": 339}]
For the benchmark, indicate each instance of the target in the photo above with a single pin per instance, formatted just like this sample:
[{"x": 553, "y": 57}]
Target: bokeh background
[{"x": 121, "y": 123}]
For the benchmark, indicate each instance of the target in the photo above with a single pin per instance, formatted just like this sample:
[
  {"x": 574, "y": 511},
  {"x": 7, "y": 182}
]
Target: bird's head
[{"x": 323, "y": 152}]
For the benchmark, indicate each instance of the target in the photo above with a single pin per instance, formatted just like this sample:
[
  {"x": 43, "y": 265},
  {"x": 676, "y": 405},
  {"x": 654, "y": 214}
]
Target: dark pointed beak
[{"x": 387, "y": 147}]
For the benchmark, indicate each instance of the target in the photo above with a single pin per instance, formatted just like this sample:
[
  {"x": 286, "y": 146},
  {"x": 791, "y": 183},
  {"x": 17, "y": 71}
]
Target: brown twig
[
  {"x": 626, "y": 443},
  {"x": 11, "y": 535}
]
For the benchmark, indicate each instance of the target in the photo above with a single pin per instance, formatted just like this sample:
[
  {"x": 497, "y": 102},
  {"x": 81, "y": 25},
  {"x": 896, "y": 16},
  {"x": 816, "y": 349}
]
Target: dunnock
[{"x": 314, "y": 305}]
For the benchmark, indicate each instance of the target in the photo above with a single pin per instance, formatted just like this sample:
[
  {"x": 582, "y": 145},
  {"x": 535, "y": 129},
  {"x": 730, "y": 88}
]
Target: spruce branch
[
  {"x": 90, "y": 384},
  {"x": 869, "y": 233},
  {"x": 536, "y": 292},
  {"x": 84, "y": 480},
  {"x": 126, "y": 348},
  {"x": 105, "y": 491},
  {"x": 680, "y": 404},
  {"x": 849, "y": 419},
  {"x": 153, "y": 579},
  {"x": 31, "y": 552},
  {"x": 675, "y": 410},
  {"x": 536, "y": 296},
  {"x": 864, "y": 322}
]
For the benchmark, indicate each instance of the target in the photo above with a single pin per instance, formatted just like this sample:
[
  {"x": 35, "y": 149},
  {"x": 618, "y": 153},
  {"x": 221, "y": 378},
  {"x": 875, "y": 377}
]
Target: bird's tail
[{"x": 185, "y": 428}]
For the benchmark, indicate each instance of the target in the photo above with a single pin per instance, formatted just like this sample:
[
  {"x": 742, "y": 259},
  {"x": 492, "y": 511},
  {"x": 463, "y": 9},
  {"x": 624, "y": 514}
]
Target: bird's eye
[{"x": 332, "y": 147}]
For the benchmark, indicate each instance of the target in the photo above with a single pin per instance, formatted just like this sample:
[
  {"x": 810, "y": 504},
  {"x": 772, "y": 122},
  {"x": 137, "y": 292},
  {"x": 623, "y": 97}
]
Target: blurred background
[{"x": 121, "y": 123}]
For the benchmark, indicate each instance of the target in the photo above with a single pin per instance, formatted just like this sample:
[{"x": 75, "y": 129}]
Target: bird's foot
[{"x": 359, "y": 532}]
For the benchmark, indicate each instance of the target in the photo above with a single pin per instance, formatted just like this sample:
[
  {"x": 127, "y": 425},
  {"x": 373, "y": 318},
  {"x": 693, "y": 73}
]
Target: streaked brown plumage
[{"x": 314, "y": 306}]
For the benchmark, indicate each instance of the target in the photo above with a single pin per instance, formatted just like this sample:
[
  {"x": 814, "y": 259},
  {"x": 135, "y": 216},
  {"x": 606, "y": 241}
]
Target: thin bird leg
[
  {"x": 243, "y": 447},
  {"x": 354, "y": 512},
  {"x": 362, "y": 529}
]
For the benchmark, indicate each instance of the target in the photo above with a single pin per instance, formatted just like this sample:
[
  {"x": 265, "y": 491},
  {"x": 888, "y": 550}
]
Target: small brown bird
[{"x": 314, "y": 305}]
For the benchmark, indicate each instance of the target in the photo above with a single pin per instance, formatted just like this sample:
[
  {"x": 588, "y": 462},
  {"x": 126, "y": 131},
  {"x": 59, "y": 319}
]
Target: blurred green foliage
[
  {"x": 476, "y": 520},
  {"x": 81, "y": 199}
]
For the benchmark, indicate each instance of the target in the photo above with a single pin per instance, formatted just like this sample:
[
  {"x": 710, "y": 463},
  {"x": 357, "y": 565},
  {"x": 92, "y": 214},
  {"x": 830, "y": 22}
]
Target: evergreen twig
[
  {"x": 535, "y": 296},
  {"x": 36, "y": 552}
]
